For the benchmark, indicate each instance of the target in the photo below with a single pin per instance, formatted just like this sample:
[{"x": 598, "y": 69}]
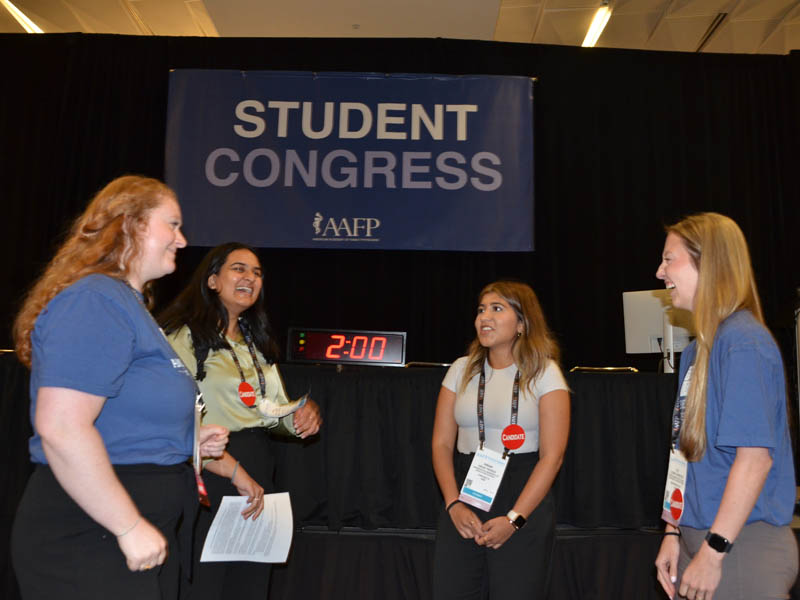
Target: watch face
[
  {"x": 519, "y": 522},
  {"x": 717, "y": 542}
]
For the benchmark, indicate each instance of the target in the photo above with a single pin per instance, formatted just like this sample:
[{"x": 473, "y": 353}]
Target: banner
[{"x": 352, "y": 160}]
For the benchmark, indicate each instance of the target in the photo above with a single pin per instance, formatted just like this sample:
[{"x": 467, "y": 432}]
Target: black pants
[
  {"x": 237, "y": 580},
  {"x": 519, "y": 568},
  {"x": 58, "y": 551}
]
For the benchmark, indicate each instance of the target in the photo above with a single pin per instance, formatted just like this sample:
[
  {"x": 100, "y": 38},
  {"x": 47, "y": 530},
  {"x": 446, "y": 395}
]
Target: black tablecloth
[{"x": 370, "y": 468}]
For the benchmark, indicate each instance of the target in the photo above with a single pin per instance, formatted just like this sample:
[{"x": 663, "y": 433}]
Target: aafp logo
[{"x": 345, "y": 229}]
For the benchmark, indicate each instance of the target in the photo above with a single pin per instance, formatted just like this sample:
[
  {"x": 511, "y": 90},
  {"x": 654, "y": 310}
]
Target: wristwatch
[
  {"x": 718, "y": 543},
  {"x": 516, "y": 519}
]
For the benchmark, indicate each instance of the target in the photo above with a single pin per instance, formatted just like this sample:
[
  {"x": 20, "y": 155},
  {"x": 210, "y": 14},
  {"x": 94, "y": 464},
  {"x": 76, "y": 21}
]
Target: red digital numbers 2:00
[{"x": 376, "y": 344}]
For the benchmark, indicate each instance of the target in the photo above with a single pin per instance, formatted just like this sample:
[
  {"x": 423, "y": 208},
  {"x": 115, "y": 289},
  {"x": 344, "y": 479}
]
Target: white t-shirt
[{"x": 497, "y": 404}]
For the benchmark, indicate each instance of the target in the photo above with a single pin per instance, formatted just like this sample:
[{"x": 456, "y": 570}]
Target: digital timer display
[{"x": 383, "y": 348}]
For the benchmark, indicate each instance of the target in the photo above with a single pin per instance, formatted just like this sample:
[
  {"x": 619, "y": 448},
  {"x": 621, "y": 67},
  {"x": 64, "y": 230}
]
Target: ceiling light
[
  {"x": 601, "y": 17},
  {"x": 23, "y": 20}
]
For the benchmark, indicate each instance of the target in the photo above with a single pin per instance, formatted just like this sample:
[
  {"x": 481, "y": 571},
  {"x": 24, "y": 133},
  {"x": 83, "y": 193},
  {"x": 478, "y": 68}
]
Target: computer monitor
[{"x": 653, "y": 325}]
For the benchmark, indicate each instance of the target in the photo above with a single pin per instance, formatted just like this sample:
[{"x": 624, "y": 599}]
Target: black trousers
[
  {"x": 58, "y": 551},
  {"x": 519, "y": 568},
  {"x": 237, "y": 580}
]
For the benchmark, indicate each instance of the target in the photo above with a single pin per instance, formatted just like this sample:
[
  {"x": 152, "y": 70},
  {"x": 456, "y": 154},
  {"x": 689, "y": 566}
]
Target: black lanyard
[
  {"x": 249, "y": 341},
  {"x": 482, "y": 393}
]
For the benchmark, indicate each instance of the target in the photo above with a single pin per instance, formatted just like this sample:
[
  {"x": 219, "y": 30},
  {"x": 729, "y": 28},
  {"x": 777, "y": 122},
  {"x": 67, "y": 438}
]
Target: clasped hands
[{"x": 492, "y": 534}]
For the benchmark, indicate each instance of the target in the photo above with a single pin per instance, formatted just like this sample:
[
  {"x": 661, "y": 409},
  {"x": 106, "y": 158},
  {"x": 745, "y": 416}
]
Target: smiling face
[
  {"x": 238, "y": 282},
  {"x": 497, "y": 324},
  {"x": 160, "y": 239},
  {"x": 678, "y": 272}
]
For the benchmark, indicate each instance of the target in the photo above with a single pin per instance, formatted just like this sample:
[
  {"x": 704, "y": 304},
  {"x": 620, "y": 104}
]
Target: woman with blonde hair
[
  {"x": 730, "y": 538},
  {"x": 112, "y": 409},
  {"x": 500, "y": 432}
]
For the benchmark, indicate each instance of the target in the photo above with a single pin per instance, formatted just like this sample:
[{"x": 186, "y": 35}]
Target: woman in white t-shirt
[{"x": 490, "y": 537}]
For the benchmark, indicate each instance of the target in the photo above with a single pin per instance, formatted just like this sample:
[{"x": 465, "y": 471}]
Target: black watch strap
[{"x": 718, "y": 543}]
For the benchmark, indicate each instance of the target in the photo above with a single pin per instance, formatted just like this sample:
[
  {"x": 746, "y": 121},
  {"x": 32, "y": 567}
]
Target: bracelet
[
  {"x": 235, "y": 467},
  {"x": 675, "y": 533},
  {"x": 129, "y": 529},
  {"x": 451, "y": 505}
]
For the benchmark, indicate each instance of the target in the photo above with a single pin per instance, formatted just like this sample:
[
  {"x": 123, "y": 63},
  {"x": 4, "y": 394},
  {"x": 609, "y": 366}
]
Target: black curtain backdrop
[{"x": 625, "y": 141}]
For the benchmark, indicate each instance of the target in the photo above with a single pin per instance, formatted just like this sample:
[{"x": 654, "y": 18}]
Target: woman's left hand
[
  {"x": 213, "y": 439},
  {"x": 247, "y": 486},
  {"x": 307, "y": 420},
  {"x": 701, "y": 578},
  {"x": 495, "y": 532}
]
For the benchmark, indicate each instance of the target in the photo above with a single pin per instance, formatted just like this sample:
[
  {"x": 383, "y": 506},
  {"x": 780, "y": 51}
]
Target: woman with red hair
[{"x": 112, "y": 409}]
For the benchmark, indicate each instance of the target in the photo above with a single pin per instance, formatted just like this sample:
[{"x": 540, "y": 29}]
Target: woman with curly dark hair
[{"x": 219, "y": 327}]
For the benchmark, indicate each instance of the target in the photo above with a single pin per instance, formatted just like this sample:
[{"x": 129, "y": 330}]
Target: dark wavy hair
[{"x": 199, "y": 307}]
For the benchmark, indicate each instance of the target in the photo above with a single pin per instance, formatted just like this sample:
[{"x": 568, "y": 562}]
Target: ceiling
[{"x": 734, "y": 26}]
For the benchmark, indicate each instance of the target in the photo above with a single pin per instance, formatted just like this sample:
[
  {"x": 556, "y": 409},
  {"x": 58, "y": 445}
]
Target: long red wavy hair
[{"x": 104, "y": 239}]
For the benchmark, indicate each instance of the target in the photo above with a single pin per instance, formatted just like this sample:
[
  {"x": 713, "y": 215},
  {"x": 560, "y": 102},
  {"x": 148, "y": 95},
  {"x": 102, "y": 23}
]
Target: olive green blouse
[{"x": 221, "y": 383}]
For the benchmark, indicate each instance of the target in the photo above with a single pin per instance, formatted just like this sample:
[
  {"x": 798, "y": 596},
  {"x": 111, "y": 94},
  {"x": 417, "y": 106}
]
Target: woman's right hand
[
  {"x": 247, "y": 486},
  {"x": 667, "y": 563},
  {"x": 144, "y": 546},
  {"x": 466, "y": 522},
  {"x": 212, "y": 440}
]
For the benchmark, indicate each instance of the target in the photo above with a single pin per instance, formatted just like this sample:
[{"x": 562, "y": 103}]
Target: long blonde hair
[
  {"x": 102, "y": 240},
  {"x": 725, "y": 284},
  {"x": 534, "y": 347}
]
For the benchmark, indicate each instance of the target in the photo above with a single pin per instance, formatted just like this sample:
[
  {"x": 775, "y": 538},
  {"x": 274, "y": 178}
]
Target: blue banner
[{"x": 352, "y": 160}]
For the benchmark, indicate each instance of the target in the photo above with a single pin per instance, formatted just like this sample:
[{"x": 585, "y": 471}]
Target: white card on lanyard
[
  {"x": 672, "y": 511},
  {"x": 483, "y": 479}
]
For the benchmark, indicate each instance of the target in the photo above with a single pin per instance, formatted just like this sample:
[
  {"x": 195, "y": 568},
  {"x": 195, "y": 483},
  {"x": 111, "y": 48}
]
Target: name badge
[
  {"x": 483, "y": 479},
  {"x": 674, "y": 490}
]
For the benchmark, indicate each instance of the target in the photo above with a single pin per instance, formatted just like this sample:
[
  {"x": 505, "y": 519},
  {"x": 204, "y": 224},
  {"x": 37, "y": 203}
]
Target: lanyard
[
  {"x": 249, "y": 341},
  {"x": 482, "y": 393},
  {"x": 199, "y": 406},
  {"x": 679, "y": 410},
  {"x": 138, "y": 295}
]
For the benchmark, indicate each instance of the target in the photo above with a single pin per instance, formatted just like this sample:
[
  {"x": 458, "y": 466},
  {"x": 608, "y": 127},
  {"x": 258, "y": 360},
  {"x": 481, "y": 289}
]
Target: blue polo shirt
[
  {"x": 97, "y": 337},
  {"x": 745, "y": 407}
]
